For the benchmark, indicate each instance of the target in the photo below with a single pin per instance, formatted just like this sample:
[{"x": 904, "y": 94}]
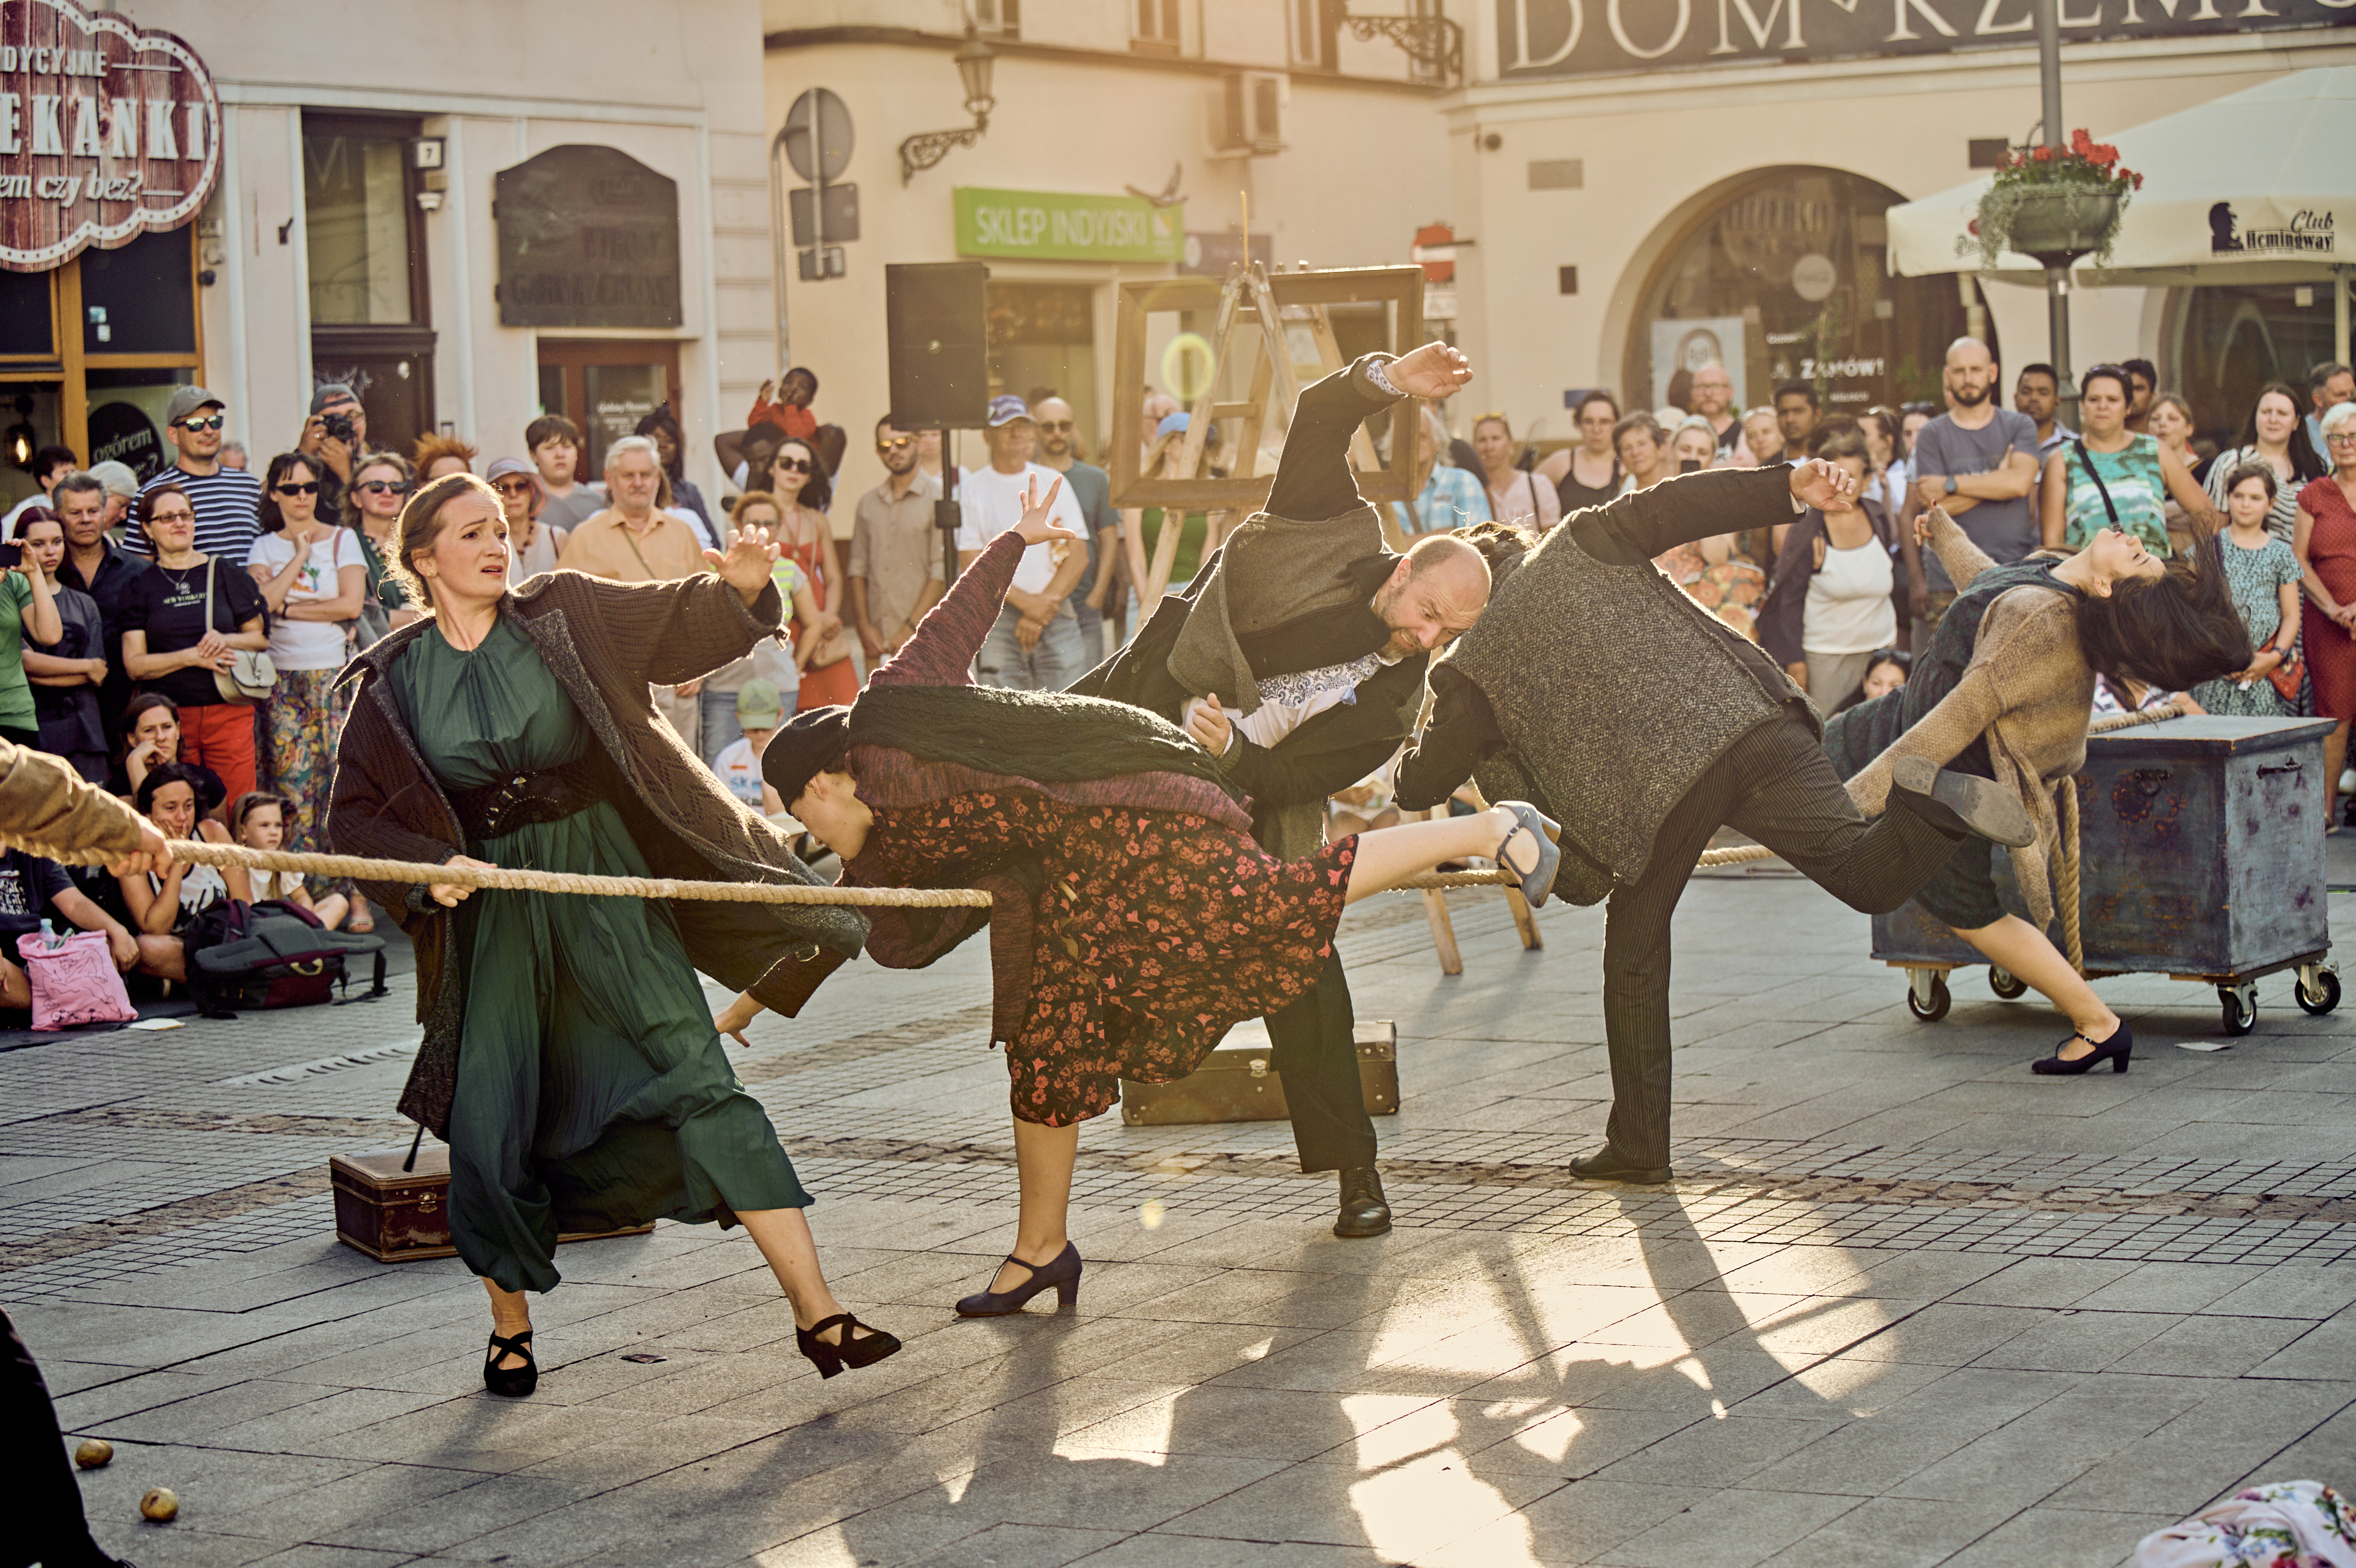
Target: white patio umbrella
[{"x": 2255, "y": 187}]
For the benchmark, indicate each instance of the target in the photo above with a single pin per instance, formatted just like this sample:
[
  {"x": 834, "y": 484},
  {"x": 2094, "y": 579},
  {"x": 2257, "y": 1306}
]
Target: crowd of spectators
[{"x": 135, "y": 620}]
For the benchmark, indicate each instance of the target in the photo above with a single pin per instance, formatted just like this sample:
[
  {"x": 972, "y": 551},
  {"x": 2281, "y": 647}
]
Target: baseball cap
[
  {"x": 759, "y": 705},
  {"x": 117, "y": 477},
  {"x": 1170, "y": 423},
  {"x": 333, "y": 392},
  {"x": 1006, "y": 408},
  {"x": 185, "y": 400},
  {"x": 502, "y": 467}
]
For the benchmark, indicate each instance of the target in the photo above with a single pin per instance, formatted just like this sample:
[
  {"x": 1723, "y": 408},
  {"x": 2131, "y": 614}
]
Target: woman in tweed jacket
[
  {"x": 2004, "y": 692},
  {"x": 569, "y": 1059}
]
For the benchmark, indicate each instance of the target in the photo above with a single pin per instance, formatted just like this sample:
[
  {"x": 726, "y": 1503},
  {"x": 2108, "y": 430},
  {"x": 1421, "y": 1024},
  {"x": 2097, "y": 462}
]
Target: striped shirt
[{"x": 228, "y": 504}]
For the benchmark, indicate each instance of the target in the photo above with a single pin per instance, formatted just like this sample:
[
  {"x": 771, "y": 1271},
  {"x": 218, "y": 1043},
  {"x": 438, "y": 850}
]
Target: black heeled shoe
[
  {"x": 1063, "y": 1272},
  {"x": 1537, "y": 882},
  {"x": 513, "y": 1382},
  {"x": 2114, "y": 1050},
  {"x": 861, "y": 1345}
]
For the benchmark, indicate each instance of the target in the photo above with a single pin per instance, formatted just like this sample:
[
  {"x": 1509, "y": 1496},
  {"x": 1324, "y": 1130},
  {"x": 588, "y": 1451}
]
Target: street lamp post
[
  {"x": 2057, "y": 272},
  {"x": 974, "y": 63}
]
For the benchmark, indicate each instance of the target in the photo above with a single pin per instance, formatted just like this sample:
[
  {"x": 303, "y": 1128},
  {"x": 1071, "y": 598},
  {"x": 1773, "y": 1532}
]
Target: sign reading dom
[
  {"x": 1582, "y": 37},
  {"x": 588, "y": 237},
  {"x": 106, "y": 131}
]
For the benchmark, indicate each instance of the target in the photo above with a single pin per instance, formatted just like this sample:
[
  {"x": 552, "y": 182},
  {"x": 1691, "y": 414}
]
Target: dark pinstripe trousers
[{"x": 1776, "y": 785}]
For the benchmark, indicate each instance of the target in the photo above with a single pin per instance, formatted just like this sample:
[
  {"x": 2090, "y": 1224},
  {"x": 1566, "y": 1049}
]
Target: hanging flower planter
[{"x": 2056, "y": 204}]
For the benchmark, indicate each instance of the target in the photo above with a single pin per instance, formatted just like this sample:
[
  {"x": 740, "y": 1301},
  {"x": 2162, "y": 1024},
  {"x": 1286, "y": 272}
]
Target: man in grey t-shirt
[{"x": 1979, "y": 461}]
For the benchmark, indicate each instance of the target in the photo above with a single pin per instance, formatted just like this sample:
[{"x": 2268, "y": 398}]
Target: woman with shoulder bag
[
  {"x": 313, "y": 576},
  {"x": 190, "y": 630},
  {"x": 1833, "y": 605},
  {"x": 799, "y": 482},
  {"x": 2110, "y": 476},
  {"x": 381, "y": 482}
]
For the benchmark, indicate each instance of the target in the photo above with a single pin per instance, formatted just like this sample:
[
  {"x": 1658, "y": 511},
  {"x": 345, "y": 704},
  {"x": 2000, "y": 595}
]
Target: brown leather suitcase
[
  {"x": 397, "y": 1216},
  {"x": 1236, "y": 1084}
]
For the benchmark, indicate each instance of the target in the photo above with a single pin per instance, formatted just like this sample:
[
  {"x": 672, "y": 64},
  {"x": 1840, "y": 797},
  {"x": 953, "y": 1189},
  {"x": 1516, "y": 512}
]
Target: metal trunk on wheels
[{"x": 2200, "y": 858}]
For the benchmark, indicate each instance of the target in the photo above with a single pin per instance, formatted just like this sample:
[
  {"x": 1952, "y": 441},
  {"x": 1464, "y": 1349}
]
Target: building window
[
  {"x": 1153, "y": 25},
  {"x": 1003, "y": 17},
  {"x": 605, "y": 387},
  {"x": 2225, "y": 343},
  {"x": 1313, "y": 25},
  {"x": 356, "y": 206},
  {"x": 1042, "y": 344},
  {"x": 1785, "y": 279}
]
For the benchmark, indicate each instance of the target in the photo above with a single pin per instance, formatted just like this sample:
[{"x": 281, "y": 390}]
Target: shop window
[
  {"x": 1785, "y": 279},
  {"x": 605, "y": 388},
  {"x": 27, "y": 326},
  {"x": 357, "y": 224},
  {"x": 1043, "y": 340},
  {"x": 2226, "y": 343},
  {"x": 138, "y": 300}
]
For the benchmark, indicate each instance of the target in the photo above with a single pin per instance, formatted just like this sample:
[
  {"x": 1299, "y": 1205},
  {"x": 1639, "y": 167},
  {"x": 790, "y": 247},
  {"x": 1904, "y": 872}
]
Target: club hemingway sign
[
  {"x": 106, "y": 132},
  {"x": 1586, "y": 37}
]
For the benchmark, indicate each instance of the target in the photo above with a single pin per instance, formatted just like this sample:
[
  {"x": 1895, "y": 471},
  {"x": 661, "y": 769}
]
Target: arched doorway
[
  {"x": 1783, "y": 277},
  {"x": 2225, "y": 342}
]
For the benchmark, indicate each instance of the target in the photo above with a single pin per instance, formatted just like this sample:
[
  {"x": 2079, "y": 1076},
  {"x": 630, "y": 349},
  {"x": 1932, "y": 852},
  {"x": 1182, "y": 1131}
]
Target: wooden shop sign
[{"x": 107, "y": 132}]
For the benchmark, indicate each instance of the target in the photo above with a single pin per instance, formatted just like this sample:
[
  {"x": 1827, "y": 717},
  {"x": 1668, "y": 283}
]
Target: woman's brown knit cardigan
[
  {"x": 2030, "y": 690},
  {"x": 605, "y": 642}
]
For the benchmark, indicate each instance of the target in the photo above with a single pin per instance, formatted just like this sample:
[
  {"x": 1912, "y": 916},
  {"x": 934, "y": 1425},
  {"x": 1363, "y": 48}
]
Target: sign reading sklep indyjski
[
  {"x": 1053, "y": 225},
  {"x": 106, "y": 132}
]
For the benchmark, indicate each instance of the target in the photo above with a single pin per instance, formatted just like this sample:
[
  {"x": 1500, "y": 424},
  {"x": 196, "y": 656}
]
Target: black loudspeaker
[{"x": 939, "y": 344}]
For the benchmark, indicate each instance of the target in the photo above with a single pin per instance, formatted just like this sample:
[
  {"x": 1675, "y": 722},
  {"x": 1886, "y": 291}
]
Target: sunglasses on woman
[
  {"x": 308, "y": 487},
  {"x": 382, "y": 486},
  {"x": 794, "y": 465},
  {"x": 514, "y": 487}
]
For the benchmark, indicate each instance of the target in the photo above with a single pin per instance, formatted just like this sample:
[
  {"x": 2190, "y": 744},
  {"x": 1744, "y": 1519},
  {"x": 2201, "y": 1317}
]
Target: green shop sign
[{"x": 1051, "y": 225}]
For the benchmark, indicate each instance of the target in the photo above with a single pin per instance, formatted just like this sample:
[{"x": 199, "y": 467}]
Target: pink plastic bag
[{"x": 74, "y": 981}]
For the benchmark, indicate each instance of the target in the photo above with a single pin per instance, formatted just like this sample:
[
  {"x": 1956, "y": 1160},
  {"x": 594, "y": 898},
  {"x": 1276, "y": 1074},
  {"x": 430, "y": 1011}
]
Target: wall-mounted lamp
[{"x": 974, "y": 62}]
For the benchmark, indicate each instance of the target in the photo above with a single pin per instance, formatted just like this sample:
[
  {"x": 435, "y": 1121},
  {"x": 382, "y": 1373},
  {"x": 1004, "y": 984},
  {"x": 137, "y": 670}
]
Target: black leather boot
[
  {"x": 1364, "y": 1210},
  {"x": 1608, "y": 1165}
]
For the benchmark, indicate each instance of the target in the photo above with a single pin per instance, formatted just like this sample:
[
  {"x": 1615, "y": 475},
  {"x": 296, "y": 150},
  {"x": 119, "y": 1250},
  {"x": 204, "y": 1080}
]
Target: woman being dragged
[
  {"x": 1134, "y": 920},
  {"x": 2004, "y": 692}
]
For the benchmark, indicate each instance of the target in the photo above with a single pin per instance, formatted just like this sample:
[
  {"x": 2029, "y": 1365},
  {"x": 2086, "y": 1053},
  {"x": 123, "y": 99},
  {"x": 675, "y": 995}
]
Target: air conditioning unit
[{"x": 1251, "y": 112}]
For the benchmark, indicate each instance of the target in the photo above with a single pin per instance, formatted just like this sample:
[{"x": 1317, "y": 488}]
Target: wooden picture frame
[{"x": 1240, "y": 307}]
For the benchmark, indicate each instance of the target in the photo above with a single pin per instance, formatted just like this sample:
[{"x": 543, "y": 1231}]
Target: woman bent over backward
[{"x": 1134, "y": 918}]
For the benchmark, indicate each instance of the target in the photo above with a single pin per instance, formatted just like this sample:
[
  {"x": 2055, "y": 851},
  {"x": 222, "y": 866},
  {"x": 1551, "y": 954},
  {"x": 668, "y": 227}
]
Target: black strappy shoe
[
  {"x": 2114, "y": 1050},
  {"x": 1537, "y": 882},
  {"x": 514, "y": 1382},
  {"x": 861, "y": 1344},
  {"x": 1063, "y": 1272}
]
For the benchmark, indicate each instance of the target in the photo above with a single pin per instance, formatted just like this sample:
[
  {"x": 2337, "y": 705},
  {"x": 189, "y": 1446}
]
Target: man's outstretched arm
[{"x": 1312, "y": 478}]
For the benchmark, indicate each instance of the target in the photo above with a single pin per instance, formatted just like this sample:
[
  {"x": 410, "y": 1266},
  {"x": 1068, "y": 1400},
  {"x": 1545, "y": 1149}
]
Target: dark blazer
[
  {"x": 1341, "y": 746},
  {"x": 607, "y": 643}
]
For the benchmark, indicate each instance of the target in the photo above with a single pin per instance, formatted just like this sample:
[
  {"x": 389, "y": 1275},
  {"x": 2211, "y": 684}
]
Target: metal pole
[
  {"x": 2339, "y": 316},
  {"x": 779, "y": 231},
  {"x": 2057, "y": 279}
]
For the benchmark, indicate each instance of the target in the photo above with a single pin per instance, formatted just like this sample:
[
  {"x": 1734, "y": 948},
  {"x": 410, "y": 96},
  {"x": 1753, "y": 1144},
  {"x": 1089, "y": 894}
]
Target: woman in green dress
[{"x": 571, "y": 1062}]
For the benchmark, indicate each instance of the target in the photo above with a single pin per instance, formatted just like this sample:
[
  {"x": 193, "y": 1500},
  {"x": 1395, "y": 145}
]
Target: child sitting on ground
[{"x": 258, "y": 818}]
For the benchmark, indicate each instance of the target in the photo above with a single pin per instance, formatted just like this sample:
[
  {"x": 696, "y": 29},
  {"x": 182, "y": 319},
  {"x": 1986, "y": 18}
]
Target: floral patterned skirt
[
  {"x": 300, "y": 725},
  {"x": 1158, "y": 932}
]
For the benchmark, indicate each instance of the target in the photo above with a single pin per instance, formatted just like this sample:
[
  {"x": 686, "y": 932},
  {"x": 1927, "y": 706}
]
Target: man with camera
[
  {"x": 335, "y": 435},
  {"x": 227, "y": 501}
]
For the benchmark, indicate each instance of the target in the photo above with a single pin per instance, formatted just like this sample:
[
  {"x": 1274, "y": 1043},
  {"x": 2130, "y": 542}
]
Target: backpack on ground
[{"x": 270, "y": 954}]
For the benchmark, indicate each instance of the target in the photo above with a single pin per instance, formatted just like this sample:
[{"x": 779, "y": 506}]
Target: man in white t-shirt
[{"x": 1036, "y": 644}]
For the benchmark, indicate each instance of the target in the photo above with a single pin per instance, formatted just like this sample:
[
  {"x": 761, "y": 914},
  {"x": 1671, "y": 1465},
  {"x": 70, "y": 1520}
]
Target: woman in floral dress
[{"x": 1134, "y": 920}]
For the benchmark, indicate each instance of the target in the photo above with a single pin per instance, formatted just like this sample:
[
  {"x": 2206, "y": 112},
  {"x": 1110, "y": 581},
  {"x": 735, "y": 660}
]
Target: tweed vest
[{"x": 1614, "y": 692}]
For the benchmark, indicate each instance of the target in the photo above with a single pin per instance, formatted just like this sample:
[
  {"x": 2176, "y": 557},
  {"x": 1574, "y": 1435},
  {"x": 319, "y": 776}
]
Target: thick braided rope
[{"x": 534, "y": 881}]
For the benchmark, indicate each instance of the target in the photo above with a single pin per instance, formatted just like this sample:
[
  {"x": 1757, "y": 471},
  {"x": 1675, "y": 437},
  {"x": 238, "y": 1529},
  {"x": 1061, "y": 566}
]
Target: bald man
[
  {"x": 1297, "y": 656},
  {"x": 1599, "y": 690},
  {"x": 1979, "y": 460}
]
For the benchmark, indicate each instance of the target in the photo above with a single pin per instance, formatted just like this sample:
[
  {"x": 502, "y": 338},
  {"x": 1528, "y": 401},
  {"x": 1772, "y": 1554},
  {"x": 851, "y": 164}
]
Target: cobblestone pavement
[{"x": 1906, "y": 1303}]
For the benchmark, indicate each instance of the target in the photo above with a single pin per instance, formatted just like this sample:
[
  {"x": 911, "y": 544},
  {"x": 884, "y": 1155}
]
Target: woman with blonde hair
[
  {"x": 569, "y": 1059},
  {"x": 1516, "y": 494}
]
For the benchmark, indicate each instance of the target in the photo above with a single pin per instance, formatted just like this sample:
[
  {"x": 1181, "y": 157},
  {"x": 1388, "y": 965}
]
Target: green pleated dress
[{"x": 593, "y": 1092}]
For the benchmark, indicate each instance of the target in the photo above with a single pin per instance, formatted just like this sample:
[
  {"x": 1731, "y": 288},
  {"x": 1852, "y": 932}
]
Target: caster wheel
[
  {"x": 2323, "y": 997},
  {"x": 2239, "y": 1006},
  {"x": 1933, "y": 1008},
  {"x": 2006, "y": 985}
]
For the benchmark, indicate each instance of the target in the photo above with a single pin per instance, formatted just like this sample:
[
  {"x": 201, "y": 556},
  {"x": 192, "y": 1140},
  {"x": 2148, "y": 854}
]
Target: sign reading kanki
[{"x": 106, "y": 132}]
